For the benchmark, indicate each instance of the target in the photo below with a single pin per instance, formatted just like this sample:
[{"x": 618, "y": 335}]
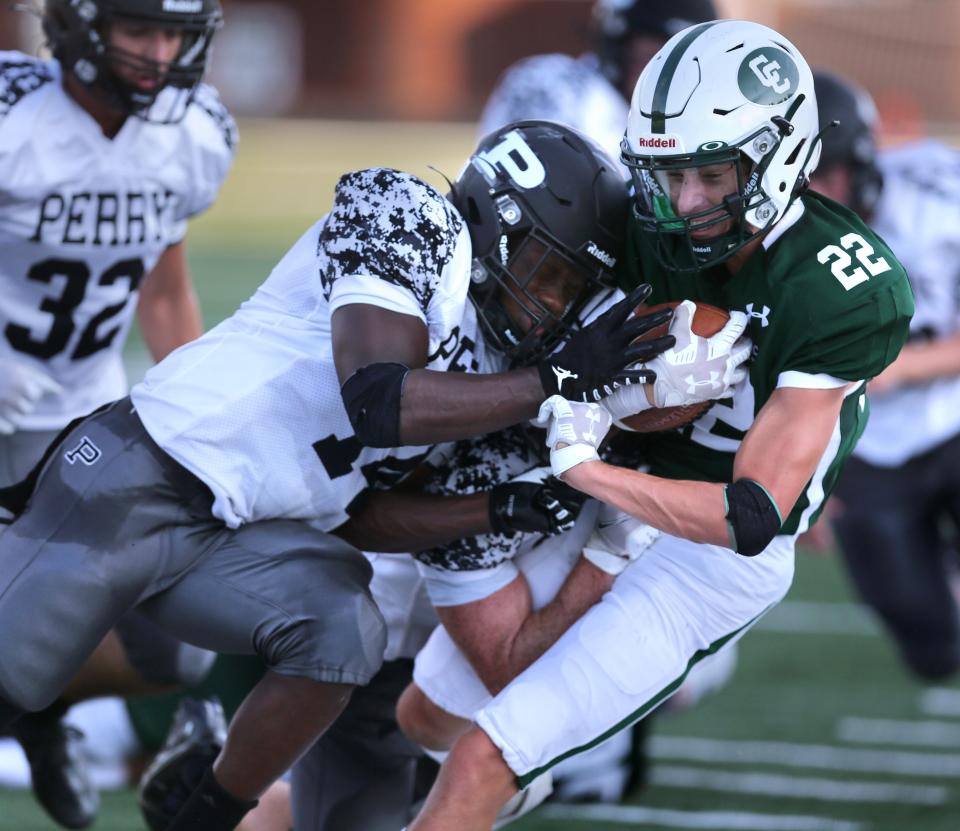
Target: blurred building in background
[{"x": 438, "y": 59}]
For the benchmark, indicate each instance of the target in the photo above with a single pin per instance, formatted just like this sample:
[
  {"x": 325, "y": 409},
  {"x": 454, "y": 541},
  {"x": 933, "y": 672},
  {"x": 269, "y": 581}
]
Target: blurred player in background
[
  {"x": 108, "y": 150},
  {"x": 591, "y": 92},
  {"x": 899, "y": 512},
  {"x": 721, "y": 139}
]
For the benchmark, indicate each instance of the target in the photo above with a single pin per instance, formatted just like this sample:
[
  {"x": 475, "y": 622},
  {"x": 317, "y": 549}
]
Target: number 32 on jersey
[{"x": 841, "y": 261}]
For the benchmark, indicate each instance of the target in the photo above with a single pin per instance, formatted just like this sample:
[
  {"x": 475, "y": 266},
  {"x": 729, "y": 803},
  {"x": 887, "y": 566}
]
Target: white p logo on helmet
[{"x": 513, "y": 156}]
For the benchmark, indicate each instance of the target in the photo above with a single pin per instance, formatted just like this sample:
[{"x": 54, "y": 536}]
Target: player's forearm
[
  {"x": 540, "y": 629},
  {"x": 919, "y": 362},
  {"x": 692, "y": 510},
  {"x": 445, "y": 406},
  {"x": 169, "y": 321},
  {"x": 400, "y": 522}
]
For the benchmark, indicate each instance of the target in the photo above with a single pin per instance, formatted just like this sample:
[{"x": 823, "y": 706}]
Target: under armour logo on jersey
[
  {"x": 562, "y": 375},
  {"x": 86, "y": 452},
  {"x": 761, "y": 316}
]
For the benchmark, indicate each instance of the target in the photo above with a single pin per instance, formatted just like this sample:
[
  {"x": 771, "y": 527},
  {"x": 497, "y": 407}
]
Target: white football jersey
[
  {"x": 83, "y": 219},
  {"x": 919, "y": 218},
  {"x": 560, "y": 88},
  {"x": 253, "y": 408}
]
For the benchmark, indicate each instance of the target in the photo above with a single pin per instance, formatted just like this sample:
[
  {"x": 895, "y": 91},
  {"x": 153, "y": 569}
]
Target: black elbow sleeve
[
  {"x": 371, "y": 397},
  {"x": 753, "y": 518}
]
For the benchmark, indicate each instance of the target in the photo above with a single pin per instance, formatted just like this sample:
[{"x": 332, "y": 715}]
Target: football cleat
[
  {"x": 195, "y": 739},
  {"x": 58, "y": 767}
]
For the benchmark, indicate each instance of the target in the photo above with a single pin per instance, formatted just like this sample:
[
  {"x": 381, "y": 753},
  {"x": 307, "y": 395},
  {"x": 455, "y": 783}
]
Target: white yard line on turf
[
  {"x": 797, "y": 787},
  {"x": 799, "y": 617},
  {"x": 714, "y": 820},
  {"x": 825, "y": 757},
  {"x": 899, "y": 732},
  {"x": 940, "y": 701}
]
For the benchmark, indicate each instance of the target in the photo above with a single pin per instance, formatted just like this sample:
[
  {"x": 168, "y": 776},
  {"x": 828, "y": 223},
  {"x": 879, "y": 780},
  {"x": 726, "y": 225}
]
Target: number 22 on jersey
[{"x": 841, "y": 261}]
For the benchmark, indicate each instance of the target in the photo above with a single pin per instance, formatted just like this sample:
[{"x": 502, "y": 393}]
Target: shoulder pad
[
  {"x": 207, "y": 100},
  {"x": 19, "y": 76},
  {"x": 391, "y": 225}
]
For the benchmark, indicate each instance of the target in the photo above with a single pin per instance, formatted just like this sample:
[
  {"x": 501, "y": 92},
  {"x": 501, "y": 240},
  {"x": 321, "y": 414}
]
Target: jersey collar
[{"x": 790, "y": 218}]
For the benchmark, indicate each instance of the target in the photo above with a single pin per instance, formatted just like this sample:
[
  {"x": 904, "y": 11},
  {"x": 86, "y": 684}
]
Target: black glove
[
  {"x": 535, "y": 502},
  {"x": 596, "y": 360}
]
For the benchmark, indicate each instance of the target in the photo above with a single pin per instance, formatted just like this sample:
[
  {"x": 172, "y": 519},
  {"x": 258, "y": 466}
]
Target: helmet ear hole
[
  {"x": 473, "y": 211},
  {"x": 792, "y": 158}
]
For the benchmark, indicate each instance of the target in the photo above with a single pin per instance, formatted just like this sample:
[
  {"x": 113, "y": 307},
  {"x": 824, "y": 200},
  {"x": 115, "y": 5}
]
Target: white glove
[
  {"x": 21, "y": 387},
  {"x": 618, "y": 540},
  {"x": 627, "y": 401},
  {"x": 696, "y": 368},
  {"x": 578, "y": 425}
]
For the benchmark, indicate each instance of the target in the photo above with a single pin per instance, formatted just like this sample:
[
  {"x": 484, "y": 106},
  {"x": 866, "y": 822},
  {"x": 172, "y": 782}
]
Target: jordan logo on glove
[{"x": 562, "y": 375}]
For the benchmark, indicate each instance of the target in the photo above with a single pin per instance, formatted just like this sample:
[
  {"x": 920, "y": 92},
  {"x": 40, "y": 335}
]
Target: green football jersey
[{"x": 824, "y": 296}]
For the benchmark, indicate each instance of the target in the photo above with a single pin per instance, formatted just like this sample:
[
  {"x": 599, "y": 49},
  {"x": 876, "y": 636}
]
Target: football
[{"x": 707, "y": 321}]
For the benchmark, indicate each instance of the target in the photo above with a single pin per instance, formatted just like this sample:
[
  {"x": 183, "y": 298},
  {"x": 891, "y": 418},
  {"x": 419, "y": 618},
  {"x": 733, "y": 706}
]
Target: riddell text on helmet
[{"x": 656, "y": 141}]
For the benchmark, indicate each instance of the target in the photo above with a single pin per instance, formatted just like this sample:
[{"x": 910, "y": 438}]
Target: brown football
[{"x": 707, "y": 321}]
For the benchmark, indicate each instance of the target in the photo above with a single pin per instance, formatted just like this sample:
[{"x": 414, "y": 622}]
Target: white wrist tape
[{"x": 573, "y": 454}]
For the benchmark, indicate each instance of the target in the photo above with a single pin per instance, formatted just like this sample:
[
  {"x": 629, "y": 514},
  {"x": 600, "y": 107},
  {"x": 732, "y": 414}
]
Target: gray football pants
[
  {"x": 157, "y": 656},
  {"x": 114, "y": 522}
]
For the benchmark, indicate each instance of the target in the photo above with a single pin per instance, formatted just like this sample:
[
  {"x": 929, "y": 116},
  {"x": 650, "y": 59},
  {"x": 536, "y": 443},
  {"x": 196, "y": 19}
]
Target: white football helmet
[{"x": 727, "y": 92}]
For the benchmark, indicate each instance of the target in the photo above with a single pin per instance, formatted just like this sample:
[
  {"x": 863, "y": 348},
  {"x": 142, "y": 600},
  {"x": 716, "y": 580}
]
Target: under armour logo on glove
[
  {"x": 693, "y": 384},
  {"x": 698, "y": 368},
  {"x": 577, "y": 425}
]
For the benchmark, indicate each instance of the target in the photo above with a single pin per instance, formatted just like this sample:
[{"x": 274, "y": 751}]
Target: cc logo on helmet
[
  {"x": 514, "y": 157},
  {"x": 768, "y": 76}
]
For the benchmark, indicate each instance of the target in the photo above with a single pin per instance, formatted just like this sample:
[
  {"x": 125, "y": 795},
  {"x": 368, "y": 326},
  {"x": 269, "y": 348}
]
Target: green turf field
[{"x": 820, "y": 729}]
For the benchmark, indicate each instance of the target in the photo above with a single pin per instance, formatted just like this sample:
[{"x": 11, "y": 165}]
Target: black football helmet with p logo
[{"x": 542, "y": 195}]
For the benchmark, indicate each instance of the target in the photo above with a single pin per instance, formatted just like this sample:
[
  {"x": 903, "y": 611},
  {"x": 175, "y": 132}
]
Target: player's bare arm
[
  {"x": 168, "y": 311},
  {"x": 435, "y": 406},
  {"x": 502, "y": 635},
  {"x": 398, "y": 522},
  {"x": 443, "y": 406},
  {"x": 920, "y": 362},
  {"x": 776, "y": 455}
]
